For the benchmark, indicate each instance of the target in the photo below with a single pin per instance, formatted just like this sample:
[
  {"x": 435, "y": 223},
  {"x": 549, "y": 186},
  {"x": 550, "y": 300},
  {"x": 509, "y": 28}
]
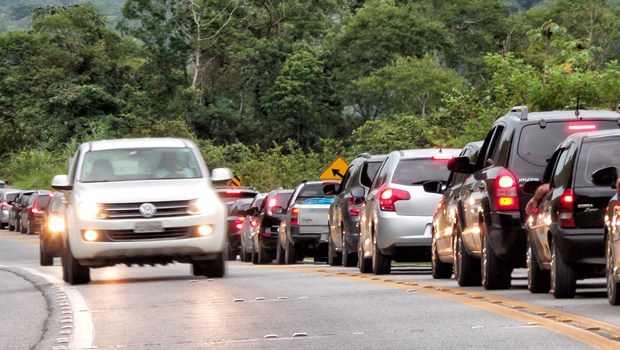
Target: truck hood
[{"x": 143, "y": 191}]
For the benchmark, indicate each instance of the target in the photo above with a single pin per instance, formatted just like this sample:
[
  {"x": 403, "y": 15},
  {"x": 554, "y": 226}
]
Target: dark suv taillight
[
  {"x": 239, "y": 223},
  {"x": 566, "y": 219},
  {"x": 389, "y": 196},
  {"x": 35, "y": 206},
  {"x": 506, "y": 197}
]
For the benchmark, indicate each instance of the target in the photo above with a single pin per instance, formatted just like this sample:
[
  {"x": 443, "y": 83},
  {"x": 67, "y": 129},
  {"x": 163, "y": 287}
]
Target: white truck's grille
[
  {"x": 130, "y": 235},
  {"x": 132, "y": 210}
]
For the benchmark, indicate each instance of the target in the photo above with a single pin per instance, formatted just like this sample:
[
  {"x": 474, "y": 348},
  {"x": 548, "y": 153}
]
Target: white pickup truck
[
  {"x": 303, "y": 230},
  {"x": 141, "y": 201}
]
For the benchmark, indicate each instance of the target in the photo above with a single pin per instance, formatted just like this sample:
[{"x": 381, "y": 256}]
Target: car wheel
[
  {"x": 290, "y": 254},
  {"x": 613, "y": 286},
  {"x": 439, "y": 269},
  {"x": 381, "y": 264},
  {"x": 264, "y": 255},
  {"x": 18, "y": 226},
  {"x": 254, "y": 256},
  {"x": 72, "y": 270},
  {"x": 333, "y": 257},
  {"x": 495, "y": 273},
  {"x": 365, "y": 265},
  {"x": 45, "y": 259},
  {"x": 2, "y": 226},
  {"x": 538, "y": 280},
  {"x": 466, "y": 267},
  {"x": 563, "y": 280},
  {"x": 11, "y": 227},
  {"x": 279, "y": 253},
  {"x": 29, "y": 229},
  {"x": 231, "y": 254},
  {"x": 349, "y": 259}
]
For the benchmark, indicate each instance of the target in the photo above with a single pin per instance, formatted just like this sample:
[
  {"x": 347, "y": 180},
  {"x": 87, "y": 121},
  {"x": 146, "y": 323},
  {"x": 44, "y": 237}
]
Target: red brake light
[
  {"x": 582, "y": 126},
  {"x": 295, "y": 216},
  {"x": 566, "y": 209},
  {"x": 35, "y": 206},
  {"x": 442, "y": 156},
  {"x": 253, "y": 222},
  {"x": 239, "y": 223},
  {"x": 389, "y": 196},
  {"x": 506, "y": 191},
  {"x": 354, "y": 209},
  {"x": 4, "y": 204},
  {"x": 272, "y": 202}
]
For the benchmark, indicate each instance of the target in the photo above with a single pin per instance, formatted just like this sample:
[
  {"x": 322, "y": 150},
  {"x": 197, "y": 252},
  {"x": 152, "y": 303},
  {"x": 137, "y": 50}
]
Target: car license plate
[{"x": 143, "y": 227}]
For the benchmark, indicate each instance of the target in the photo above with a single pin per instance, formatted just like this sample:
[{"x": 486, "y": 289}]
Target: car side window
[
  {"x": 485, "y": 150},
  {"x": 346, "y": 179},
  {"x": 382, "y": 174},
  {"x": 551, "y": 164},
  {"x": 494, "y": 151},
  {"x": 561, "y": 175}
]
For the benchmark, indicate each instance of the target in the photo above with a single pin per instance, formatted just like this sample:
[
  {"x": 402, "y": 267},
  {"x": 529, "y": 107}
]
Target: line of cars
[
  {"x": 465, "y": 209},
  {"x": 481, "y": 229}
]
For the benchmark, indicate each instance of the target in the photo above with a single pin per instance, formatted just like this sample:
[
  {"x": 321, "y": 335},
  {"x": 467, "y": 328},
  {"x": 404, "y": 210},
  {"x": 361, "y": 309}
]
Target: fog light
[
  {"x": 90, "y": 235},
  {"x": 205, "y": 230}
]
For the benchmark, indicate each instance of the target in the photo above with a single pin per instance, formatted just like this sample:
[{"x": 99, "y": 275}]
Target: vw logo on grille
[{"x": 148, "y": 210}]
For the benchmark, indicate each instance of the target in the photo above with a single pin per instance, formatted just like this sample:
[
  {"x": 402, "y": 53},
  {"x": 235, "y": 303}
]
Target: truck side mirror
[{"x": 61, "y": 183}]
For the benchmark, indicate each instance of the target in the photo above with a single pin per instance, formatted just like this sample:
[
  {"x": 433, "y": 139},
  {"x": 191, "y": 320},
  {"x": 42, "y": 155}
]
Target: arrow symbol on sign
[{"x": 336, "y": 172}]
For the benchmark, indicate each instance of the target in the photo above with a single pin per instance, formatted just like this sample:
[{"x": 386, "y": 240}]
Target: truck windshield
[{"x": 139, "y": 164}]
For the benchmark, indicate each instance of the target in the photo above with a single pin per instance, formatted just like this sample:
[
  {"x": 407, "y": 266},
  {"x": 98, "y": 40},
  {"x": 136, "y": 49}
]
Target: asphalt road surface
[{"x": 305, "y": 306}]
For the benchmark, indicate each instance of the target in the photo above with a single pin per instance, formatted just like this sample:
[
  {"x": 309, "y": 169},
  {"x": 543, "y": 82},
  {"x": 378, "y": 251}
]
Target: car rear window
[
  {"x": 43, "y": 201},
  {"x": 594, "y": 156},
  {"x": 419, "y": 171},
  {"x": 311, "y": 191},
  {"x": 11, "y": 196},
  {"x": 283, "y": 198},
  {"x": 536, "y": 144}
]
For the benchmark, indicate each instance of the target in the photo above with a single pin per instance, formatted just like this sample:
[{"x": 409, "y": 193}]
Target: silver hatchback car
[{"x": 395, "y": 220}]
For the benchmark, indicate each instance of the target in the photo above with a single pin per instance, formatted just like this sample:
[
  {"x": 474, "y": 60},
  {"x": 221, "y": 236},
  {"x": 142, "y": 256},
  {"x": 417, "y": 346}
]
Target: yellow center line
[{"x": 583, "y": 329}]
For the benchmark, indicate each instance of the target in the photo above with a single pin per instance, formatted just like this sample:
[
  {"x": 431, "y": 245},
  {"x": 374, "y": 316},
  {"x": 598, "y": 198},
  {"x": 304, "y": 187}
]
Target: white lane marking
[{"x": 83, "y": 329}]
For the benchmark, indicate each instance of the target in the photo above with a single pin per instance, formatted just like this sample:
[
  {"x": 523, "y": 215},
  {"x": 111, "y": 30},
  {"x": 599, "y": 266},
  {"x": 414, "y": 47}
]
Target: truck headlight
[
  {"x": 90, "y": 210},
  {"x": 203, "y": 205},
  {"x": 56, "y": 224}
]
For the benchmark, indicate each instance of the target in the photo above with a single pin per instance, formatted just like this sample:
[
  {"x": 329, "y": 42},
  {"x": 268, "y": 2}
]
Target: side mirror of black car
[
  {"x": 460, "y": 165},
  {"x": 330, "y": 189},
  {"x": 433, "y": 186},
  {"x": 605, "y": 177},
  {"x": 531, "y": 186},
  {"x": 251, "y": 211},
  {"x": 278, "y": 210}
]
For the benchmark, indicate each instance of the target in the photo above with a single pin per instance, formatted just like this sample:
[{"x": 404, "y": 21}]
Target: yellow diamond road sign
[{"x": 335, "y": 170}]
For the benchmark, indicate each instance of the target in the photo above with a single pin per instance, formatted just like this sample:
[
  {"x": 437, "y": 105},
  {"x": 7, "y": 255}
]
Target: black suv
[
  {"x": 491, "y": 213},
  {"x": 265, "y": 234},
  {"x": 345, "y": 209},
  {"x": 566, "y": 231}
]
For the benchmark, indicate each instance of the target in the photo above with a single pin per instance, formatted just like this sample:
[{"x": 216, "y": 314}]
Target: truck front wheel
[{"x": 71, "y": 268}]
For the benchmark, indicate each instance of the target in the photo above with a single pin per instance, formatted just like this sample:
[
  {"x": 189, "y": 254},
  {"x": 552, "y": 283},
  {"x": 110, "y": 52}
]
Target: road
[{"x": 306, "y": 306}]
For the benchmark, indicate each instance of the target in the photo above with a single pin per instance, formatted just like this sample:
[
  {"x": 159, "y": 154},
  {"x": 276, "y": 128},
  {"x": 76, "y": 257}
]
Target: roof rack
[
  {"x": 519, "y": 111},
  {"x": 364, "y": 155}
]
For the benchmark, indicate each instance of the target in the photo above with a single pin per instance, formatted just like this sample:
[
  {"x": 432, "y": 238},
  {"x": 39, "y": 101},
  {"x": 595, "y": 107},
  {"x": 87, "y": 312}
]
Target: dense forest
[{"x": 277, "y": 89}]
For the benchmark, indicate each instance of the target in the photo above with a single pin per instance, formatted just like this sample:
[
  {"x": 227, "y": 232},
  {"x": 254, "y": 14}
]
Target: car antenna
[{"x": 577, "y": 109}]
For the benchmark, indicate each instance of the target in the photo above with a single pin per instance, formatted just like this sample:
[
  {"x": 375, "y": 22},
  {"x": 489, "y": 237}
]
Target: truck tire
[
  {"x": 439, "y": 269},
  {"x": 495, "y": 273},
  {"x": 466, "y": 268},
  {"x": 381, "y": 264},
  {"x": 333, "y": 257},
  {"x": 215, "y": 268},
  {"x": 290, "y": 254},
  {"x": 538, "y": 280},
  {"x": 279, "y": 253},
  {"x": 563, "y": 280},
  {"x": 75, "y": 273}
]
